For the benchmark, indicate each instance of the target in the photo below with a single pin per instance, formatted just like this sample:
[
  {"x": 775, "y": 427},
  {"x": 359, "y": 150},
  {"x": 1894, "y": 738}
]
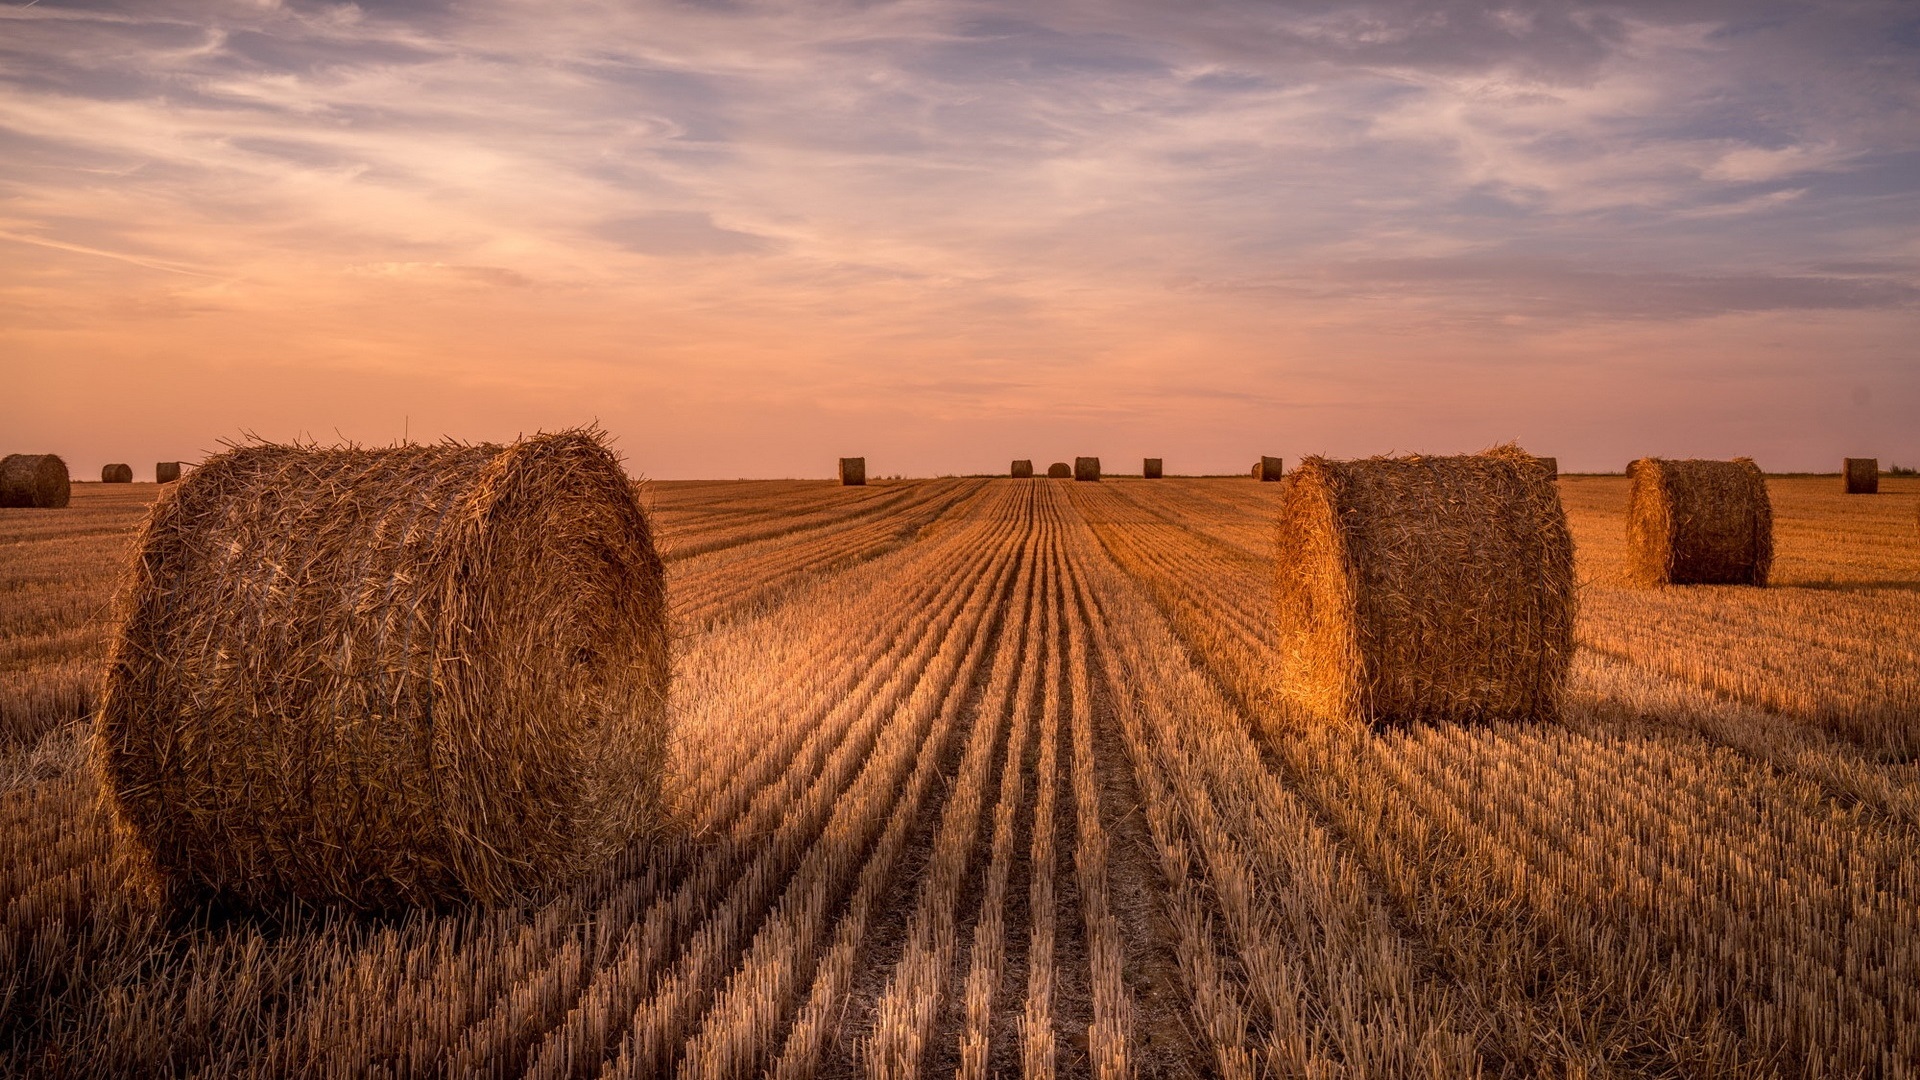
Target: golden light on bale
[
  {"x": 1698, "y": 523},
  {"x": 1268, "y": 469},
  {"x": 166, "y": 472},
  {"x": 1150, "y": 468},
  {"x": 34, "y": 480},
  {"x": 389, "y": 677},
  {"x": 1022, "y": 469},
  {"x": 853, "y": 471},
  {"x": 1059, "y": 470},
  {"x": 1423, "y": 589},
  {"x": 1862, "y": 476},
  {"x": 116, "y": 474},
  {"x": 1086, "y": 468}
]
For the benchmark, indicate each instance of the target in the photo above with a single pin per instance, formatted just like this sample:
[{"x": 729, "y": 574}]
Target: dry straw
[
  {"x": 1022, "y": 469},
  {"x": 1862, "y": 476},
  {"x": 1698, "y": 523},
  {"x": 1086, "y": 468},
  {"x": 1059, "y": 470},
  {"x": 853, "y": 471},
  {"x": 389, "y": 677},
  {"x": 38, "y": 480},
  {"x": 166, "y": 472},
  {"x": 1268, "y": 469},
  {"x": 1423, "y": 589},
  {"x": 116, "y": 474},
  {"x": 1150, "y": 468}
]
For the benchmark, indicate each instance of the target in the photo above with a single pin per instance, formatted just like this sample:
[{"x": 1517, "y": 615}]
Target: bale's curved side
[
  {"x": 1059, "y": 470},
  {"x": 1150, "y": 469},
  {"x": 34, "y": 480},
  {"x": 1022, "y": 469},
  {"x": 389, "y": 677},
  {"x": 166, "y": 472},
  {"x": 853, "y": 471},
  {"x": 1423, "y": 589},
  {"x": 118, "y": 473},
  {"x": 1269, "y": 469},
  {"x": 1698, "y": 522},
  {"x": 1086, "y": 468},
  {"x": 1861, "y": 476}
]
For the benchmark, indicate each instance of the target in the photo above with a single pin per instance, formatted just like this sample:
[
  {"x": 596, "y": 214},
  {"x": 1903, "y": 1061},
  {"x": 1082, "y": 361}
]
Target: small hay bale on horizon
[
  {"x": 34, "y": 480},
  {"x": 1861, "y": 476},
  {"x": 166, "y": 472},
  {"x": 1268, "y": 469},
  {"x": 1150, "y": 469},
  {"x": 853, "y": 471},
  {"x": 1697, "y": 522},
  {"x": 1552, "y": 465},
  {"x": 1022, "y": 469},
  {"x": 1059, "y": 470},
  {"x": 116, "y": 474},
  {"x": 390, "y": 677},
  {"x": 1086, "y": 468},
  {"x": 1422, "y": 589}
]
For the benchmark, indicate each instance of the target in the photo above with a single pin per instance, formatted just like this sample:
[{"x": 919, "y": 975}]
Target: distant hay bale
[
  {"x": 1551, "y": 464},
  {"x": 1059, "y": 470},
  {"x": 1863, "y": 476},
  {"x": 1086, "y": 468},
  {"x": 116, "y": 474},
  {"x": 1022, "y": 469},
  {"x": 1423, "y": 589},
  {"x": 389, "y": 677},
  {"x": 37, "y": 480},
  {"x": 166, "y": 472},
  {"x": 1268, "y": 469},
  {"x": 1698, "y": 523},
  {"x": 853, "y": 471},
  {"x": 1150, "y": 468}
]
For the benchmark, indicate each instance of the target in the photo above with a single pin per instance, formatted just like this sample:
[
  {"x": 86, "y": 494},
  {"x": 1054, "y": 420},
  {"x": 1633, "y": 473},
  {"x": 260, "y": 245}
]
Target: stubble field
[{"x": 974, "y": 778}]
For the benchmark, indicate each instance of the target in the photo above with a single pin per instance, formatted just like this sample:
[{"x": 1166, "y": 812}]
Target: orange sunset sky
[{"x": 748, "y": 238}]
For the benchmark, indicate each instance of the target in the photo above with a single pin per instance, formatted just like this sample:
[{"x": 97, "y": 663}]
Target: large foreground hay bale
[
  {"x": 1423, "y": 589},
  {"x": 1059, "y": 470},
  {"x": 1699, "y": 523},
  {"x": 38, "y": 480},
  {"x": 853, "y": 471},
  {"x": 1022, "y": 469},
  {"x": 166, "y": 472},
  {"x": 389, "y": 677},
  {"x": 1268, "y": 469},
  {"x": 1150, "y": 468},
  {"x": 1862, "y": 476},
  {"x": 1086, "y": 468},
  {"x": 116, "y": 474}
]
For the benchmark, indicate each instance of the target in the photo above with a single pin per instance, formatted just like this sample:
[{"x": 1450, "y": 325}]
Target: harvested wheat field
[{"x": 977, "y": 777}]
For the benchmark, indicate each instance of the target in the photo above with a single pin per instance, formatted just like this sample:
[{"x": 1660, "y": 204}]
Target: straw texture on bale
[
  {"x": 1862, "y": 476},
  {"x": 1423, "y": 589},
  {"x": 389, "y": 677},
  {"x": 1150, "y": 468},
  {"x": 166, "y": 472},
  {"x": 1022, "y": 469},
  {"x": 1268, "y": 469},
  {"x": 1086, "y": 468},
  {"x": 116, "y": 474},
  {"x": 1698, "y": 523},
  {"x": 1059, "y": 470},
  {"x": 37, "y": 480},
  {"x": 853, "y": 471}
]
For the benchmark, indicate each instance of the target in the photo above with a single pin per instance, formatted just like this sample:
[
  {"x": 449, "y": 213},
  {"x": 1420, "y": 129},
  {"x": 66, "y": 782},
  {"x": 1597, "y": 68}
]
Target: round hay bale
[
  {"x": 1022, "y": 469},
  {"x": 1423, "y": 589},
  {"x": 389, "y": 677},
  {"x": 1862, "y": 476},
  {"x": 1086, "y": 468},
  {"x": 1552, "y": 465},
  {"x": 1150, "y": 469},
  {"x": 166, "y": 472},
  {"x": 1698, "y": 523},
  {"x": 37, "y": 480},
  {"x": 1059, "y": 470},
  {"x": 853, "y": 471},
  {"x": 1268, "y": 470},
  {"x": 116, "y": 474}
]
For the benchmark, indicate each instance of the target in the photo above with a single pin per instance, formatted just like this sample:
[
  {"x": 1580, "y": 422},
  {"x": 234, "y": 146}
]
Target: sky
[{"x": 748, "y": 238}]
